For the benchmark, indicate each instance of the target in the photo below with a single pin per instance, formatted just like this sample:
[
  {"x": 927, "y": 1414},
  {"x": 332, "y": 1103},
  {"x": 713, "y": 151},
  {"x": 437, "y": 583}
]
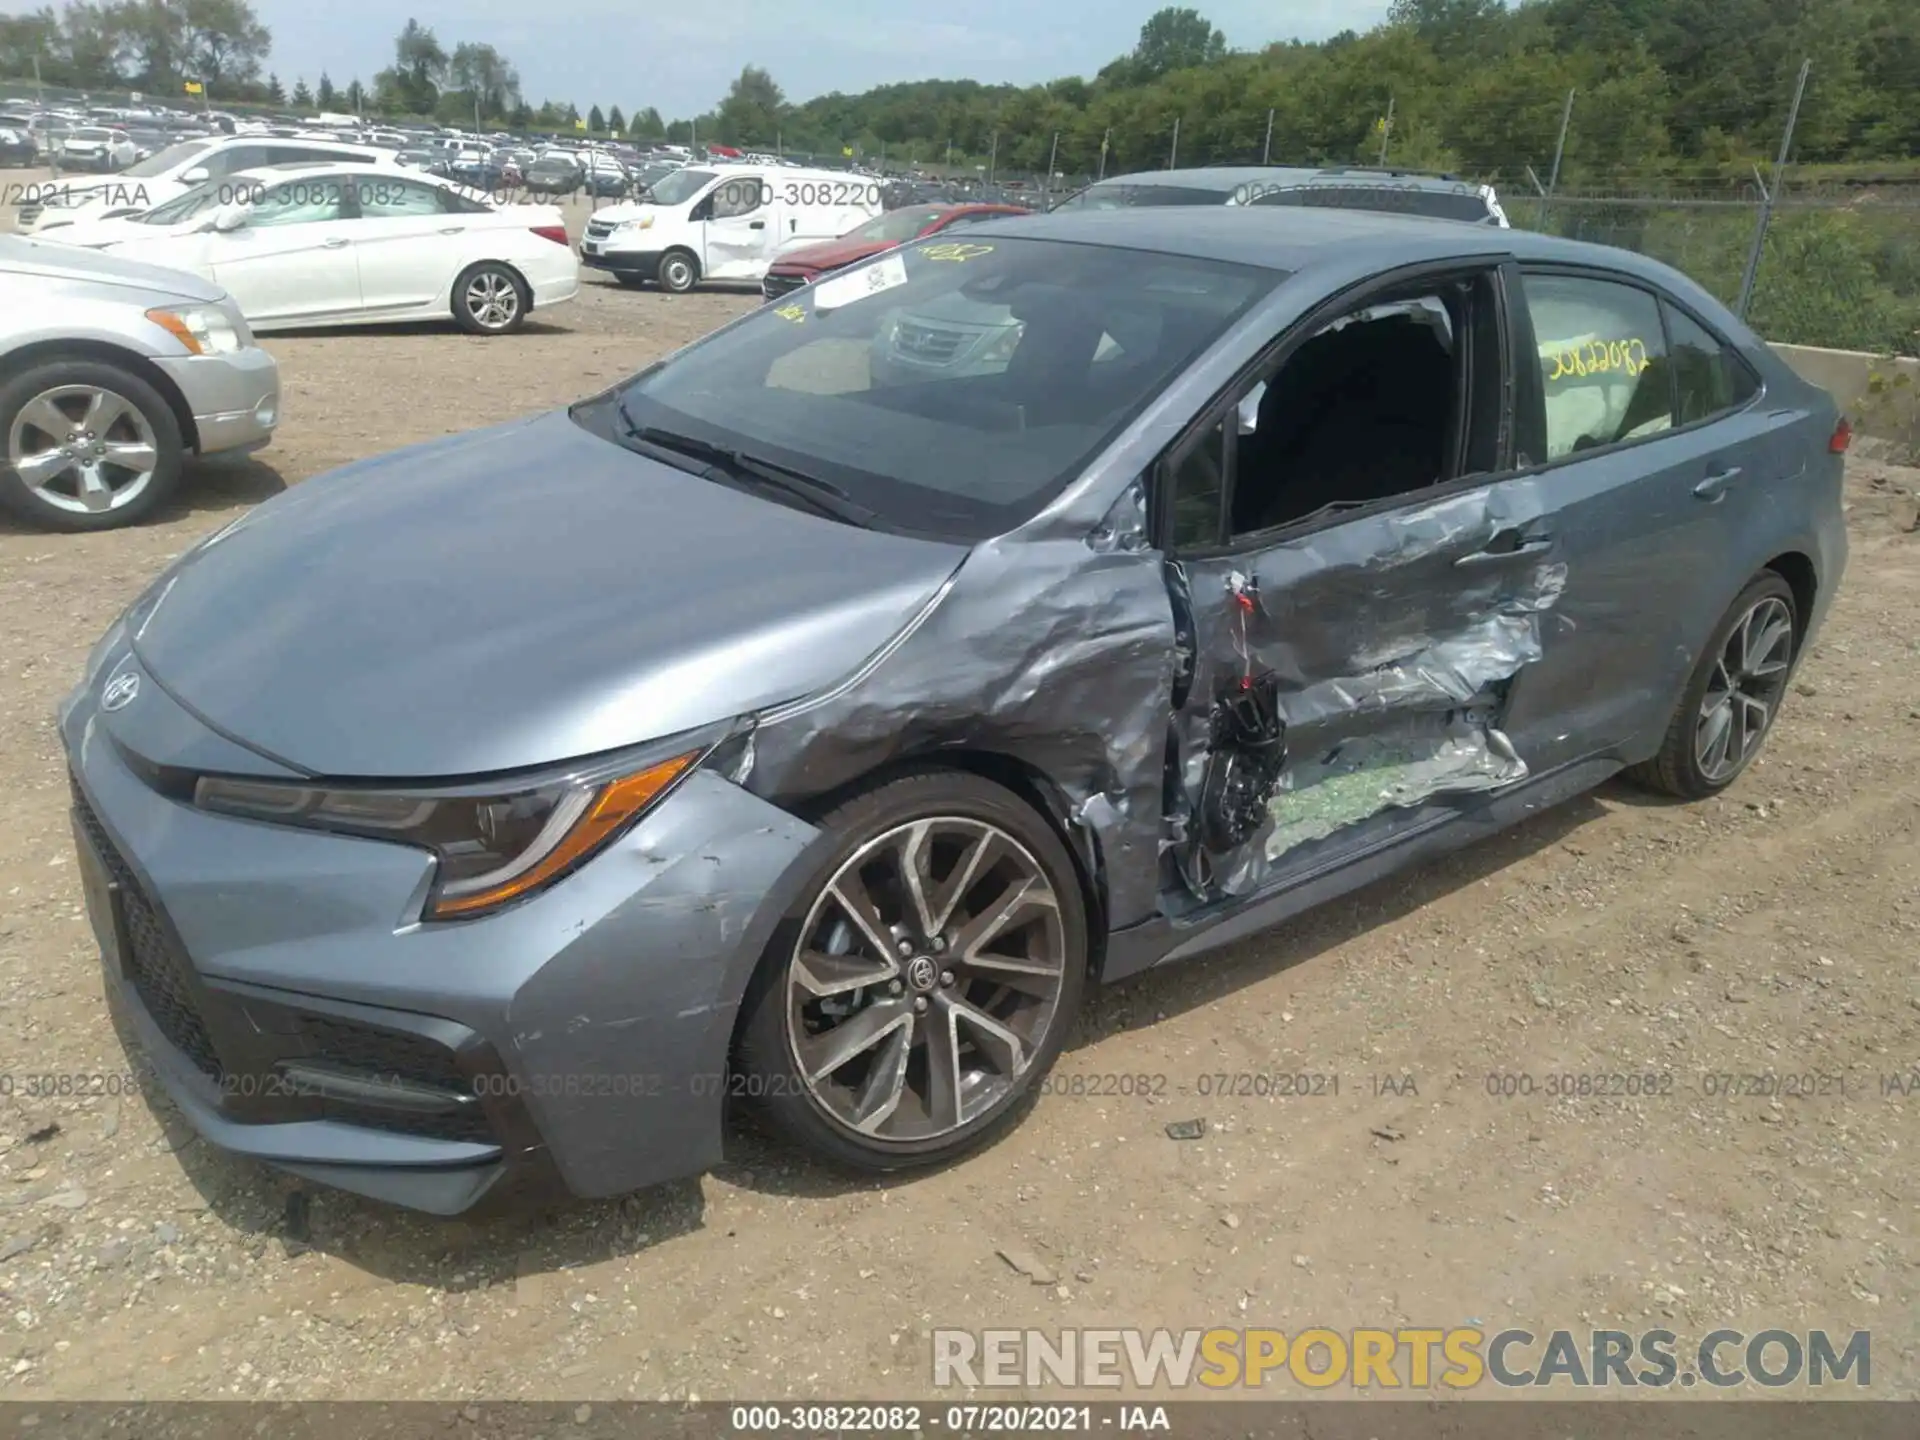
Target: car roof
[{"x": 1292, "y": 239}]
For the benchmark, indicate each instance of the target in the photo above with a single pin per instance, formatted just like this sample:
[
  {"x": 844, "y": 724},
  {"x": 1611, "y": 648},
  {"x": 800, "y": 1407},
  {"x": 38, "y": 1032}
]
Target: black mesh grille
[
  {"x": 160, "y": 974},
  {"x": 395, "y": 1055},
  {"x": 774, "y": 286}
]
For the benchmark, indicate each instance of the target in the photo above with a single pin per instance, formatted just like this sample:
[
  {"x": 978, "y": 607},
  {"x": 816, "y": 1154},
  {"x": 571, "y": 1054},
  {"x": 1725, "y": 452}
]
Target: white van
[{"x": 725, "y": 222}]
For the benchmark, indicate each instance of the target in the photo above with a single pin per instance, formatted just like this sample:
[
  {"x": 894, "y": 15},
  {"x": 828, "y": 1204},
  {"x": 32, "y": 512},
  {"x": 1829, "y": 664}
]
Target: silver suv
[{"x": 110, "y": 372}]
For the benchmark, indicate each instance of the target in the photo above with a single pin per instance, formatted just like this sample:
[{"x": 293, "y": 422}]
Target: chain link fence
[{"x": 1807, "y": 261}]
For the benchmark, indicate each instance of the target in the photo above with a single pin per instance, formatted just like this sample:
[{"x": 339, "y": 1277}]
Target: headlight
[
  {"x": 203, "y": 329},
  {"x": 493, "y": 846}
]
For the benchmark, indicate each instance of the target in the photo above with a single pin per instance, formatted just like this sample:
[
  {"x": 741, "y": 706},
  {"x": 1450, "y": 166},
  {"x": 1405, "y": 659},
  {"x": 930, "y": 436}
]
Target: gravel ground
[{"x": 1769, "y": 932}]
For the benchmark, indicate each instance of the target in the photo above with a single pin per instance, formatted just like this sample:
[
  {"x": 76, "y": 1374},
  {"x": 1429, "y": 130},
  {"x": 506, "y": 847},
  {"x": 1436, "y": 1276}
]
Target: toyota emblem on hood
[{"x": 118, "y": 692}]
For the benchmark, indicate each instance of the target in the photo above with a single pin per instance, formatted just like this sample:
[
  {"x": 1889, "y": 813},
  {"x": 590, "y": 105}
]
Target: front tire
[
  {"x": 678, "y": 273},
  {"x": 90, "y": 446},
  {"x": 1732, "y": 697},
  {"x": 924, "y": 982},
  {"x": 490, "y": 299}
]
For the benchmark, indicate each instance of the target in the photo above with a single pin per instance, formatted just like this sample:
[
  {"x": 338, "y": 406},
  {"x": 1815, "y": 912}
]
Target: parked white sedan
[{"x": 336, "y": 244}]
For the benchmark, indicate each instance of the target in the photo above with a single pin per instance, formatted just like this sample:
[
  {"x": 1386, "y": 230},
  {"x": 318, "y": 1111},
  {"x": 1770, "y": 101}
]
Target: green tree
[
  {"x": 324, "y": 95},
  {"x": 356, "y": 95},
  {"x": 753, "y": 112},
  {"x": 596, "y": 122},
  {"x": 616, "y": 122},
  {"x": 276, "y": 92},
  {"x": 412, "y": 84},
  {"x": 1175, "y": 39},
  {"x": 482, "y": 74},
  {"x": 647, "y": 125},
  {"x": 302, "y": 97},
  {"x": 223, "y": 41}
]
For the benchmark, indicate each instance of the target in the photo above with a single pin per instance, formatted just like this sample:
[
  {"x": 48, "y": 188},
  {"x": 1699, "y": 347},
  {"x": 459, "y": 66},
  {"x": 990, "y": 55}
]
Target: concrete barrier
[{"x": 1880, "y": 395}]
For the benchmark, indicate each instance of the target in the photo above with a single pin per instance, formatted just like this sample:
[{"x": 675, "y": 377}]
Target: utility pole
[
  {"x": 1266, "y": 150},
  {"x": 1772, "y": 195},
  {"x": 1174, "y": 153},
  {"x": 1106, "y": 140},
  {"x": 1053, "y": 157},
  {"x": 993, "y": 157},
  {"x": 1386, "y": 132},
  {"x": 1559, "y": 149},
  {"x": 949, "y": 158}
]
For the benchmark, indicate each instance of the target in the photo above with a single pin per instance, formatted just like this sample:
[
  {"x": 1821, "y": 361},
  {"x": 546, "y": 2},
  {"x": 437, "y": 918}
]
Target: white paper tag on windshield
[{"x": 883, "y": 274}]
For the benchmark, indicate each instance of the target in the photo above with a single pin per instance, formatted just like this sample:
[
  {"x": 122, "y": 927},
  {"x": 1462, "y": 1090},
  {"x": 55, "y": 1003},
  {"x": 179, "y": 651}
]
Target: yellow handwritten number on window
[
  {"x": 954, "y": 251},
  {"x": 1600, "y": 357},
  {"x": 795, "y": 313}
]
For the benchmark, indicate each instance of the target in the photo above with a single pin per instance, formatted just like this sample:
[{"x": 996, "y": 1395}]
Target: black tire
[
  {"x": 1678, "y": 770},
  {"x": 679, "y": 272},
  {"x": 765, "y": 1069},
  {"x": 499, "y": 314},
  {"x": 20, "y": 500}
]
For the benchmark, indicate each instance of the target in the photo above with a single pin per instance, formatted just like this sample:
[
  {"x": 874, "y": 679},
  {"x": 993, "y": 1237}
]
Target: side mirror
[
  {"x": 196, "y": 176},
  {"x": 230, "y": 218}
]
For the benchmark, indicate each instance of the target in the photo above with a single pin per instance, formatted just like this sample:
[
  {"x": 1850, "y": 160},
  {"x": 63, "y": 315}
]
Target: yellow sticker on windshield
[
  {"x": 955, "y": 251},
  {"x": 795, "y": 313},
  {"x": 1599, "y": 357}
]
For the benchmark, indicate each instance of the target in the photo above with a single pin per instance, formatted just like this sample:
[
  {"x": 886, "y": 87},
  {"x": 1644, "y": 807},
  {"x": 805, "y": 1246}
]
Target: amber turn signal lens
[{"x": 614, "y": 805}]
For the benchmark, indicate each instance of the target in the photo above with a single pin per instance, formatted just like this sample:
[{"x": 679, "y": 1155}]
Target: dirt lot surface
[{"x": 1771, "y": 932}]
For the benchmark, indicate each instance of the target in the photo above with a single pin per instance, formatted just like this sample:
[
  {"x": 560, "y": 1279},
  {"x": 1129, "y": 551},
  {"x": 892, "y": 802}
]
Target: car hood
[
  {"x": 106, "y": 230},
  {"x": 830, "y": 254},
  {"x": 513, "y": 597},
  {"x": 55, "y": 259}
]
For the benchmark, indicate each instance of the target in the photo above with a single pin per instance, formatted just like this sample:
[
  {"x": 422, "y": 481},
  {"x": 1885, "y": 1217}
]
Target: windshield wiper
[{"x": 822, "y": 496}]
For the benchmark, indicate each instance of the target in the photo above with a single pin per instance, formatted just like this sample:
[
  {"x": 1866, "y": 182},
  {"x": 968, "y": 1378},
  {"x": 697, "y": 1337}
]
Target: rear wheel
[
  {"x": 89, "y": 446},
  {"x": 490, "y": 299},
  {"x": 678, "y": 273},
  {"x": 1734, "y": 694},
  {"x": 924, "y": 982}
]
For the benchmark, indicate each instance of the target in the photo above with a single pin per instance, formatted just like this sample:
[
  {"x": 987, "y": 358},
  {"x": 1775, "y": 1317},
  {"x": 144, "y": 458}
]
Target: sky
[{"x": 681, "y": 58}]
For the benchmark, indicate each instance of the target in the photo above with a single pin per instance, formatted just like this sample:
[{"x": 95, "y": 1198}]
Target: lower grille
[
  {"x": 928, "y": 342},
  {"x": 598, "y": 230},
  {"x": 27, "y": 215},
  {"x": 161, "y": 975},
  {"x": 393, "y": 1055},
  {"x": 774, "y": 286}
]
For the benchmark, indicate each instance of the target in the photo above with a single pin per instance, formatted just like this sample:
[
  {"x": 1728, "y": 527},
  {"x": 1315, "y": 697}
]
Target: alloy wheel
[
  {"x": 925, "y": 979},
  {"x": 1745, "y": 689},
  {"x": 492, "y": 300},
  {"x": 83, "y": 448}
]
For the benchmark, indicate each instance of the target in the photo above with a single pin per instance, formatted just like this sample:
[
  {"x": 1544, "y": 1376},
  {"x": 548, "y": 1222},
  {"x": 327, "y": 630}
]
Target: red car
[{"x": 896, "y": 227}]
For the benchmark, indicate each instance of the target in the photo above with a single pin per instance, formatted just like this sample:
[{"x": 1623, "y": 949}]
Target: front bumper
[
  {"x": 644, "y": 263},
  {"x": 298, "y": 1013},
  {"x": 235, "y": 398}
]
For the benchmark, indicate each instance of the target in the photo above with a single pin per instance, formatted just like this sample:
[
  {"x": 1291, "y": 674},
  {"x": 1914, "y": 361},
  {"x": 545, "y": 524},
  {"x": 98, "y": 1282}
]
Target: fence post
[
  {"x": 1559, "y": 149},
  {"x": 993, "y": 157},
  {"x": 1771, "y": 195},
  {"x": 1053, "y": 157},
  {"x": 1386, "y": 132},
  {"x": 1266, "y": 149},
  {"x": 1106, "y": 138},
  {"x": 1173, "y": 155}
]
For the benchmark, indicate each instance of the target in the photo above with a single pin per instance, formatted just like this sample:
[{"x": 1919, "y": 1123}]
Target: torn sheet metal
[
  {"x": 1056, "y": 652},
  {"x": 1387, "y": 643}
]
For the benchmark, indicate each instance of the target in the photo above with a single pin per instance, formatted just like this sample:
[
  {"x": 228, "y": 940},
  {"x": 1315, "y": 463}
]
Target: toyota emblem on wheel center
[{"x": 118, "y": 692}]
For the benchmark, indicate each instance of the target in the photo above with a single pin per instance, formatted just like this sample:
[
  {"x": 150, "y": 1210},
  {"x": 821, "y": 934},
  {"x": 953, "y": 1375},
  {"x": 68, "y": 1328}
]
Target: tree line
[{"x": 1478, "y": 86}]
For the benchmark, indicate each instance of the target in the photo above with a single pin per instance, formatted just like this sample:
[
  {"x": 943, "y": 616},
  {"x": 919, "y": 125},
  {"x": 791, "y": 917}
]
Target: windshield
[
  {"x": 200, "y": 200},
  {"x": 896, "y": 225},
  {"x": 1111, "y": 196},
  {"x": 91, "y": 133},
  {"x": 951, "y": 388},
  {"x": 164, "y": 161},
  {"x": 679, "y": 187}
]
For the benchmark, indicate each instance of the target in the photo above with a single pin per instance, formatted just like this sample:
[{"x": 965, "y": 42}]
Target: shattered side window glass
[{"x": 1603, "y": 362}]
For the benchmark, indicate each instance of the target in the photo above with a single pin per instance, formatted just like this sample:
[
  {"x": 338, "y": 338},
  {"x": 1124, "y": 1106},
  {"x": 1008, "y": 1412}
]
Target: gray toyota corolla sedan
[{"x": 761, "y": 728}]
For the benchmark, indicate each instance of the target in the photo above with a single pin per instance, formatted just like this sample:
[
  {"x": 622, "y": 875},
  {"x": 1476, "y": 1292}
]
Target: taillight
[
  {"x": 555, "y": 233},
  {"x": 1842, "y": 437}
]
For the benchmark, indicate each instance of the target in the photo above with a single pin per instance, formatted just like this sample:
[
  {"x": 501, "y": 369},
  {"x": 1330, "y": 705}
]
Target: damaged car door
[{"x": 1357, "y": 578}]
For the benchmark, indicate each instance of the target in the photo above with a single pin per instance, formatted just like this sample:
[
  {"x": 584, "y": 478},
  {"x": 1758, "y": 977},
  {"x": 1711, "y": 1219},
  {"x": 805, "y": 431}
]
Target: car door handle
[
  {"x": 1505, "y": 545},
  {"x": 757, "y": 225},
  {"x": 1714, "y": 487},
  {"x": 336, "y": 243},
  {"x": 452, "y": 230}
]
